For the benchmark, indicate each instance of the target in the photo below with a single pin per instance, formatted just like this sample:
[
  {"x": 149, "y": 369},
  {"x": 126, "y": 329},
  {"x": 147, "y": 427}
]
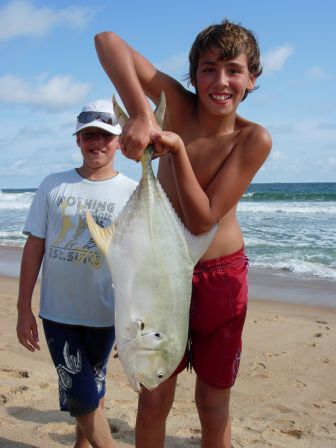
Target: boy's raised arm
[
  {"x": 116, "y": 57},
  {"x": 135, "y": 79}
]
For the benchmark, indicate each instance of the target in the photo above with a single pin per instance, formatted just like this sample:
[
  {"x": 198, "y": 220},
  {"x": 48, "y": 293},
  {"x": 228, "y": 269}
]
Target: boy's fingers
[
  {"x": 29, "y": 339},
  {"x": 35, "y": 337},
  {"x": 159, "y": 148},
  {"x": 26, "y": 343}
]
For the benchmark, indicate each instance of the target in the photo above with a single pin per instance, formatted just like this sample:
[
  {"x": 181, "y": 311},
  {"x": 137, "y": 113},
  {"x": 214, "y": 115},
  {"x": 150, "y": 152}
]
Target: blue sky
[{"x": 49, "y": 69}]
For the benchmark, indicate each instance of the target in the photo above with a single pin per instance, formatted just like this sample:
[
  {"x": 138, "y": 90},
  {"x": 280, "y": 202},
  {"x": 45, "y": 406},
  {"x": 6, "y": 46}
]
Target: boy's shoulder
[
  {"x": 126, "y": 179},
  {"x": 54, "y": 179},
  {"x": 253, "y": 133},
  {"x": 253, "y": 141}
]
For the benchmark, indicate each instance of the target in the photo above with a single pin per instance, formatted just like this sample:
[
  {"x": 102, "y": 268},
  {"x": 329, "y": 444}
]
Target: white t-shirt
[{"x": 76, "y": 282}]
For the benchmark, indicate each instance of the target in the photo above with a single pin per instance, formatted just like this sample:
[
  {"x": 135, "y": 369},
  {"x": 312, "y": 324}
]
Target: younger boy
[
  {"x": 77, "y": 298},
  {"x": 204, "y": 170}
]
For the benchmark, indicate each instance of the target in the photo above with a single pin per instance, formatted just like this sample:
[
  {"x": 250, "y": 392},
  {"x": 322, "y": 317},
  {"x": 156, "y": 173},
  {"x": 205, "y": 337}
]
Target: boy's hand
[
  {"x": 166, "y": 142},
  {"x": 136, "y": 136},
  {"x": 26, "y": 330}
]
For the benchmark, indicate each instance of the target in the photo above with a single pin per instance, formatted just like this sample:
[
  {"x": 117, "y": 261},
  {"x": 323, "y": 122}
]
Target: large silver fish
[{"x": 151, "y": 255}]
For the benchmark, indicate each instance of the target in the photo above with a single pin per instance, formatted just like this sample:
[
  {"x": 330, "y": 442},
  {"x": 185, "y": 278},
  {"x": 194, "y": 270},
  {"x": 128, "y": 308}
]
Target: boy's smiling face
[
  {"x": 97, "y": 146},
  {"x": 221, "y": 83}
]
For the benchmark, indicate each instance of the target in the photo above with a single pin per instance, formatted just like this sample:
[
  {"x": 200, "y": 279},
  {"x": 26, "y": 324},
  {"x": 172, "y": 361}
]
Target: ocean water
[{"x": 289, "y": 227}]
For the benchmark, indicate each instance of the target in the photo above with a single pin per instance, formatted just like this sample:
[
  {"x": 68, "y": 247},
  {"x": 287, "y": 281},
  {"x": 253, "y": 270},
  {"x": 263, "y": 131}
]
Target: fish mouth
[{"x": 148, "y": 349}]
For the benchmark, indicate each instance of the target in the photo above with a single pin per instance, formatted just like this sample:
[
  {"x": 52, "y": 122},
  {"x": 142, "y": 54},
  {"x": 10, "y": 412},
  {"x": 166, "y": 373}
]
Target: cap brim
[{"x": 115, "y": 130}]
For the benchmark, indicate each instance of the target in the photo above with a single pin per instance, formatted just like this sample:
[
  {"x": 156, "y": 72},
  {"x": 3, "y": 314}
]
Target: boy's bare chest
[{"x": 208, "y": 157}]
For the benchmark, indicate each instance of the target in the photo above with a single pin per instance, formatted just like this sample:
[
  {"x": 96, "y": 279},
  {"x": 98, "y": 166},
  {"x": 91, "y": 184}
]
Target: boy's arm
[
  {"x": 135, "y": 78},
  {"x": 204, "y": 208},
  {"x": 32, "y": 257}
]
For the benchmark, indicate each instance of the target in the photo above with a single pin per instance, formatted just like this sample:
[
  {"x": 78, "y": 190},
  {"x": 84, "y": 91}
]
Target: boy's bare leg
[
  {"x": 81, "y": 440},
  {"x": 94, "y": 428},
  {"x": 153, "y": 410},
  {"x": 213, "y": 407}
]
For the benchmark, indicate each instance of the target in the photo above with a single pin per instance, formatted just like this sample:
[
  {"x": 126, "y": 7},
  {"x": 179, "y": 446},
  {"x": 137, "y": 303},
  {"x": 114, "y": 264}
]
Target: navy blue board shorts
[{"x": 80, "y": 355}]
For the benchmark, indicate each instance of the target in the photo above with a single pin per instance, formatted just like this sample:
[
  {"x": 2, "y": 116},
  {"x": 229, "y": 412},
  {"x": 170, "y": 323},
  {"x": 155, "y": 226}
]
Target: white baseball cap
[{"x": 98, "y": 114}]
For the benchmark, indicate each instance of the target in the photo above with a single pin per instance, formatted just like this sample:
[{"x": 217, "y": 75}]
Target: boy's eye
[
  {"x": 234, "y": 71},
  {"x": 92, "y": 135},
  {"x": 209, "y": 69}
]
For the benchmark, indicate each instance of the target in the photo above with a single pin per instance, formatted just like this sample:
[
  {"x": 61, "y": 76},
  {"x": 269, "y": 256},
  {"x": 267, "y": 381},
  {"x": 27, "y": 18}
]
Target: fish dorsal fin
[
  {"x": 196, "y": 245},
  {"x": 102, "y": 236}
]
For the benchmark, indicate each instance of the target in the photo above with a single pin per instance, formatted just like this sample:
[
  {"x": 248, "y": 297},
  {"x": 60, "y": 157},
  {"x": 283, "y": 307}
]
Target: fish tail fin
[
  {"x": 160, "y": 109},
  {"x": 198, "y": 244},
  {"x": 146, "y": 158},
  {"x": 102, "y": 236},
  {"x": 120, "y": 113}
]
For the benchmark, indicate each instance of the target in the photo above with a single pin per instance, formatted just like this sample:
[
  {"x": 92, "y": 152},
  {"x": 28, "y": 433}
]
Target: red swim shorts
[{"x": 217, "y": 316}]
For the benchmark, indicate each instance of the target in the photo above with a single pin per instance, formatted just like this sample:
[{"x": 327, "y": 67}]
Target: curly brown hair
[{"x": 231, "y": 40}]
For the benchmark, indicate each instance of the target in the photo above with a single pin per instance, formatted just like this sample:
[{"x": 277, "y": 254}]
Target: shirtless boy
[{"x": 208, "y": 157}]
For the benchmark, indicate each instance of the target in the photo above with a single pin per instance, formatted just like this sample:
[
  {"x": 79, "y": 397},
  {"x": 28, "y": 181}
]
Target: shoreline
[{"x": 264, "y": 284}]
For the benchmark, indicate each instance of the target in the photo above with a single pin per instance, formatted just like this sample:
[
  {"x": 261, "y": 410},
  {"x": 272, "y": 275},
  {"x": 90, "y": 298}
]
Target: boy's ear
[
  {"x": 77, "y": 139},
  {"x": 251, "y": 82}
]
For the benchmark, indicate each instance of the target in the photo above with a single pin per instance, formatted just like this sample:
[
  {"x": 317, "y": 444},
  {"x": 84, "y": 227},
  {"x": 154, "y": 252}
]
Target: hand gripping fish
[{"x": 151, "y": 255}]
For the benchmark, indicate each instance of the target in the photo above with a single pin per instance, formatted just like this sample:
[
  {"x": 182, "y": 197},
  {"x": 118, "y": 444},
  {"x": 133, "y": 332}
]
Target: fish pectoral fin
[{"x": 102, "y": 236}]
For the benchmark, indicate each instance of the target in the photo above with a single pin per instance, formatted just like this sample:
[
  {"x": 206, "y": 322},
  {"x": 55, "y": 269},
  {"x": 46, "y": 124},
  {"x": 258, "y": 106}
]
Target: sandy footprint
[
  {"x": 296, "y": 433},
  {"x": 299, "y": 384},
  {"x": 271, "y": 355},
  {"x": 18, "y": 373},
  {"x": 259, "y": 369}
]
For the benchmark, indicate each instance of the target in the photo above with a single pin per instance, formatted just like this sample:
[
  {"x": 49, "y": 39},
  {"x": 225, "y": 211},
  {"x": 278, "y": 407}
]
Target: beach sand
[{"x": 284, "y": 396}]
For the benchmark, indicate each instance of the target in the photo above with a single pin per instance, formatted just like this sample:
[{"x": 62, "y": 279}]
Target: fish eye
[
  {"x": 140, "y": 324},
  {"x": 159, "y": 375}
]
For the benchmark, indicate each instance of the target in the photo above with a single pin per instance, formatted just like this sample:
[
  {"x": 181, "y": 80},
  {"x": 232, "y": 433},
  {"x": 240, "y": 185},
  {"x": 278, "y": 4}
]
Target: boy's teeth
[{"x": 221, "y": 97}]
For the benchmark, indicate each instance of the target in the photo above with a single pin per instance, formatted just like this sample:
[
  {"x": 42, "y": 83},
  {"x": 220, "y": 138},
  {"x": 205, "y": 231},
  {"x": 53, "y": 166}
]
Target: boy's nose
[
  {"x": 99, "y": 137},
  {"x": 222, "y": 78}
]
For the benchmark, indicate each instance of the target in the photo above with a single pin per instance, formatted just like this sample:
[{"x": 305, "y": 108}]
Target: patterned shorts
[{"x": 80, "y": 355}]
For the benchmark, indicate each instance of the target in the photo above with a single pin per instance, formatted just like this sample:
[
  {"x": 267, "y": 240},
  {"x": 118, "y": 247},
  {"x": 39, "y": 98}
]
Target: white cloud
[
  {"x": 277, "y": 155},
  {"x": 281, "y": 128},
  {"x": 54, "y": 94},
  {"x": 19, "y": 164},
  {"x": 318, "y": 73},
  {"x": 275, "y": 59},
  {"x": 21, "y": 18},
  {"x": 174, "y": 64}
]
